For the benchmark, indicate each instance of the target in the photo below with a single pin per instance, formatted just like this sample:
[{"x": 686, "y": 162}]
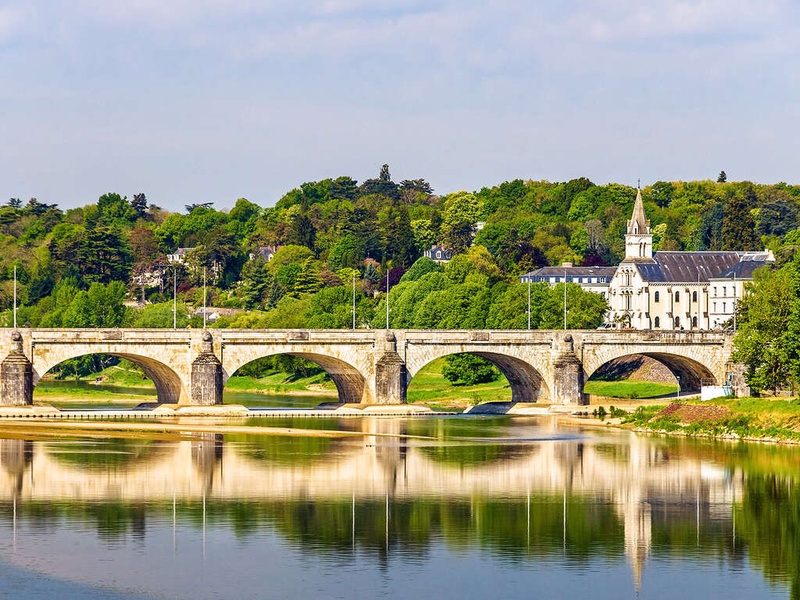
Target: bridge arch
[
  {"x": 526, "y": 381},
  {"x": 170, "y": 389},
  {"x": 690, "y": 372},
  {"x": 349, "y": 380}
]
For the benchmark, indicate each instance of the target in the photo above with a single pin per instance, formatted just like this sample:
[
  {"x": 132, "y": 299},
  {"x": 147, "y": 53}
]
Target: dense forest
[{"x": 85, "y": 267}]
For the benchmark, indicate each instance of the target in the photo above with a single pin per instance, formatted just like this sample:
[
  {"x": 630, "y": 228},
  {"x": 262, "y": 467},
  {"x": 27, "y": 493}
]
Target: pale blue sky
[{"x": 212, "y": 100}]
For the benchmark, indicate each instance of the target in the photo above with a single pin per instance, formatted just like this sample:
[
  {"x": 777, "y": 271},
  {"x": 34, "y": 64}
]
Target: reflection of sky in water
[
  {"x": 76, "y": 563},
  {"x": 535, "y": 511}
]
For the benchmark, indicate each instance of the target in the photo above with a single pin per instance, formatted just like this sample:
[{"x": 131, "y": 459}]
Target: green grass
[
  {"x": 628, "y": 388},
  {"x": 749, "y": 417},
  {"x": 431, "y": 388},
  {"x": 281, "y": 383}
]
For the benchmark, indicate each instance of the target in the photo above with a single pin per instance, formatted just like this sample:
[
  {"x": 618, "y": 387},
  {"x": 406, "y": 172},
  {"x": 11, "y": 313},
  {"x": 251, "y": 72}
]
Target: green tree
[
  {"x": 738, "y": 226},
  {"x": 468, "y": 369},
  {"x": 767, "y": 317}
]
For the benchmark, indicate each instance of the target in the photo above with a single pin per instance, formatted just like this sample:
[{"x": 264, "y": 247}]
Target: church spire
[
  {"x": 638, "y": 239},
  {"x": 639, "y": 224}
]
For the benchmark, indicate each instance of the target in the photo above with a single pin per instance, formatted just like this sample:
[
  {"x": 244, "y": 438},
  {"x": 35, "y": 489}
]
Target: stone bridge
[{"x": 191, "y": 366}]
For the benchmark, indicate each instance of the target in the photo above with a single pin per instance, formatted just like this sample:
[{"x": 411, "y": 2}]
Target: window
[
  {"x": 656, "y": 300},
  {"x": 657, "y": 321},
  {"x": 715, "y": 307},
  {"x": 694, "y": 296},
  {"x": 677, "y": 322},
  {"x": 723, "y": 307},
  {"x": 677, "y": 296},
  {"x": 694, "y": 321}
]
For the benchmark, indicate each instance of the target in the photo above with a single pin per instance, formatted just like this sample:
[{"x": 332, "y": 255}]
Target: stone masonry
[{"x": 190, "y": 366}]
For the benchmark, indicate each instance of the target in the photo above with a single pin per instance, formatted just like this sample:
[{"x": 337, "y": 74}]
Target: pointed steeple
[
  {"x": 638, "y": 239},
  {"x": 639, "y": 224}
]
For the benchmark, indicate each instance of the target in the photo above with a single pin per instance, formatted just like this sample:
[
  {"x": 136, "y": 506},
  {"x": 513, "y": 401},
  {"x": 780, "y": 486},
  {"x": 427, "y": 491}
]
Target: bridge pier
[
  {"x": 16, "y": 376},
  {"x": 390, "y": 371},
  {"x": 567, "y": 373},
  {"x": 206, "y": 377}
]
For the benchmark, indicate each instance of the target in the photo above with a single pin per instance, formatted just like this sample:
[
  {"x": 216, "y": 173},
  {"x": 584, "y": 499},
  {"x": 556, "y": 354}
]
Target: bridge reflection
[{"x": 571, "y": 494}]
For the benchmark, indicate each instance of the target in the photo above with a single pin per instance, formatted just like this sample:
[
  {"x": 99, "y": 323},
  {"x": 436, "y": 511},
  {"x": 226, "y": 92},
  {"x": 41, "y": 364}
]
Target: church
[{"x": 676, "y": 290}]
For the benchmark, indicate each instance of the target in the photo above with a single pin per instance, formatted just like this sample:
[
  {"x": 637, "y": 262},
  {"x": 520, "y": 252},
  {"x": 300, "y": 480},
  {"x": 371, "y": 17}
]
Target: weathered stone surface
[
  {"x": 390, "y": 377},
  {"x": 206, "y": 386},
  {"x": 190, "y": 366}
]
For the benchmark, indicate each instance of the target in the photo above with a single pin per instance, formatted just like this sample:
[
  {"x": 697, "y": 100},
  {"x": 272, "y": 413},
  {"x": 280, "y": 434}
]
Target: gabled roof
[{"x": 687, "y": 267}]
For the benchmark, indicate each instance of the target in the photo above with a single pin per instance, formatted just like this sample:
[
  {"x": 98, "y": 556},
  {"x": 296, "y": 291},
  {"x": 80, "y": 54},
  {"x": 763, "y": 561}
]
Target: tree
[
  {"x": 769, "y": 317},
  {"x": 722, "y": 177},
  {"x": 383, "y": 185},
  {"x": 102, "y": 255},
  {"x": 349, "y": 251},
  {"x": 190, "y": 208},
  {"x": 421, "y": 267},
  {"x": 468, "y": 369},
  {"x": 139, "y": 205},
  {"x": 113, "y": 209},
  {"x": 255, "y": 283},
  {"x": 662, "y": 193},
  {"x": 738, "y": 226}
]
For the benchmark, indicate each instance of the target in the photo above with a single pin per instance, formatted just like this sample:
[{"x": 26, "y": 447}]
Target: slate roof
[
  {"x": 687, "y": 267},
  {"x": 741, "y": 270},
  {"x": 576, "y": 271}
]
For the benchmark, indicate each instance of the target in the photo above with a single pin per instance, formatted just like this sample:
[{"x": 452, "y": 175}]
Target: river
[{"x": 434, "y": 507}]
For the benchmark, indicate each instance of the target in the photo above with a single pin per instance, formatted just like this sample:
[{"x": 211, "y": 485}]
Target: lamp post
[
  {"x": 174, "y": 296},
  {"x": 204, "y": 298},
  {"x": 15, "y": 296},
  {"x": 529, "y": 301},
  {"x": 387, "y": 297},
  {"x": 679, "y": 386},
  {"x": 565, "y": 298},
  {"x": 354, "y": 299}
]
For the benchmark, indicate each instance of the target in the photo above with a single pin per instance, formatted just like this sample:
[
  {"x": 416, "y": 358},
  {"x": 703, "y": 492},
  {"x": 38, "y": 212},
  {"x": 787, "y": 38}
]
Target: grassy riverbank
[{"x": 776, "y": 419}]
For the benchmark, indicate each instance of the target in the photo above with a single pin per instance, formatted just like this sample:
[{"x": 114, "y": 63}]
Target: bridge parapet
[{"x": 367, "y": 366}]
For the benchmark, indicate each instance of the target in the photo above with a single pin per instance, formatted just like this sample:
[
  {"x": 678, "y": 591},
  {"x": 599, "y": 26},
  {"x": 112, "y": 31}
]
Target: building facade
[
  {"x": 592, "y": 279},
  {"x": 676, "y": 290},
  {"x": 663, "y": 290}
]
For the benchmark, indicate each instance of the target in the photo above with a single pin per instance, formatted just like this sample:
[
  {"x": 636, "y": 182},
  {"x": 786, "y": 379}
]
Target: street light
[
  {"x": 15, "y": 296},
  {"x": 565, "y": 298},
  {"x": 174, "y": 296},
  {"x": 679, "y": 386},
  {"x": 387, "y": 296},
  {"x": 354, "y": 299},
  {"x": 529, "y": 301}
]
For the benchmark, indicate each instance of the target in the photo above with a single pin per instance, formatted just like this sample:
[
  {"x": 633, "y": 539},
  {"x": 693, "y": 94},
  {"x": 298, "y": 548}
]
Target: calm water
[{"x": 405, "y": 508}]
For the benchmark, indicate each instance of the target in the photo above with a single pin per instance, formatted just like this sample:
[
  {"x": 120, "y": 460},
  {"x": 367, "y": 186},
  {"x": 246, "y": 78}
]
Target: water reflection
[{"x": 521, "y": 491}]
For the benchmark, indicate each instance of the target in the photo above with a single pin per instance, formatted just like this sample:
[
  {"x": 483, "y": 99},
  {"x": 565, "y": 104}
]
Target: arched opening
[
  {"x": 294, "y": 380},
  {"x": 118, "y": 379},
  {"x": 515, "y": 381},
  {"x": 648, "y": 375}
]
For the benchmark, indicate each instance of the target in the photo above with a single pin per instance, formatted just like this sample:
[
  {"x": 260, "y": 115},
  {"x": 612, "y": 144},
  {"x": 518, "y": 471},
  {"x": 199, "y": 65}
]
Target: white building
[
  {"x": 676, "y": 290},
  {"x": 592, "y": 279},
  {"x": 179, "y": 256}
]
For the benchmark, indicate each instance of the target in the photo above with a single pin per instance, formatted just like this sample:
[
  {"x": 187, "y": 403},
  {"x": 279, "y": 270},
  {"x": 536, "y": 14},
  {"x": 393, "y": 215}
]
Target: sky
[{"x": 195, "y": 101}]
